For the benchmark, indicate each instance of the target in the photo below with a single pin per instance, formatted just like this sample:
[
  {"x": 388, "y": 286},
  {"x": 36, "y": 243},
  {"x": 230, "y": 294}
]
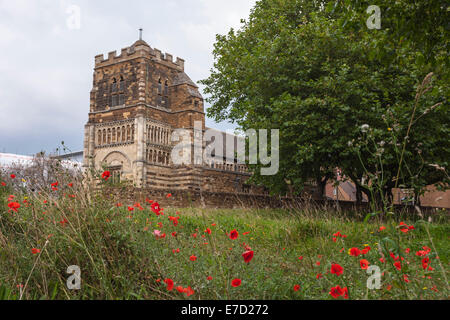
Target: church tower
[{"x": 138, "y": 98}]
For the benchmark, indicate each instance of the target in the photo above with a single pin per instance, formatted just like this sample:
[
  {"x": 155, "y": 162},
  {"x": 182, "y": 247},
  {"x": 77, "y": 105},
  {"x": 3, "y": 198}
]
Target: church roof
[{"x": 183, "y": 78}]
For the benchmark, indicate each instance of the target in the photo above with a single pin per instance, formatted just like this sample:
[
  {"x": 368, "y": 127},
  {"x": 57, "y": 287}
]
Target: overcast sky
[{"x": 46, "y": 61}]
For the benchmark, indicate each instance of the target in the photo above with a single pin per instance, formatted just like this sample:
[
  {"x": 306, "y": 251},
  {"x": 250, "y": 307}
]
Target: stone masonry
[{"x": 138, "y": 98}]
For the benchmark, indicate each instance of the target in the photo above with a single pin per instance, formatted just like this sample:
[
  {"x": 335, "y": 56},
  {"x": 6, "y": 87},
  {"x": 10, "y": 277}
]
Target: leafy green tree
[{"x": 315, "y": 71}]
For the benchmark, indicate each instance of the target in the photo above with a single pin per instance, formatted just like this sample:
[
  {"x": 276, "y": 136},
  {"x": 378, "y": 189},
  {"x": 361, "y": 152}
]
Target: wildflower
[
  {"x": 180, "y": 289},
  {"x": 236, "y": 282},
  {"x": 364, "y": 127},
  {"x": 193, "y": 258},
  {"x": 156, "y": 208},
  {"x": 3, "y": 184},
  {"x": 296, "y": 287},
  {"x": 233, "y": 235},
  {"x": 337, "y": 291},
  {"x": 354, "y": 252},
  {"x": 208, "y": 230},
  {"x": 248, "y": 256},
  {"x": 169, "y": 283},
  {"x": 319, "y": 275},
  {"x": 189, "y": 291},
  {"x": 245, "y": 233},
  {"x": 174, "y": 220},
  {"x": 398, "y": 265},
  {"x": 318, "y": 263},
  {"x": 169, "y": 195},
  {"x": 336, "y": 269},
  {"x": 106, "y": 174},
  {"x": 130, "y": 208},
  {"x": 13, "y": 176},
  {"x": 157, "y": 233},
  {"x": 174, "y": 234},
  {"x": 300, "y": 258},
  {"x": 35, "y": 251},
  {"x": 382, "y": 228},
  {"x": 364, "y": 264},
  {"x": 365, "y": 250},
  {"x": 70, "y": 185},
  {"x": 425, "y": 262},
  {"x": 209, "y": 278},
  {"x": 14, "y": 206}
]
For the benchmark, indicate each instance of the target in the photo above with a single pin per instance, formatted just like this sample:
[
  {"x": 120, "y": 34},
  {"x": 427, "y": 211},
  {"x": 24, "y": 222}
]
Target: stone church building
[{"x": 138, "y": 98}]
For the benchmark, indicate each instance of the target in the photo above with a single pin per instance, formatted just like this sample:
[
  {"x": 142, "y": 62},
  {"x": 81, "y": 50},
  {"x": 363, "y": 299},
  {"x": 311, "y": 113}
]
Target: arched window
[
  {"x": 128, "y": 133},
  {"x": 104, "y": 136},
  {"x": 109, "y": 136},
  {"x": 122, "y": 84},
  {"x": 99, "y": 137},
  {"x": 166, "y": 88},
  {"x": 114, "y": 85},
  {"x": 118, "y": 134},
  {"x": 159, "y": 86},
  {"x": 132, "y": 132},
  {"x": 123, "y": 133}
]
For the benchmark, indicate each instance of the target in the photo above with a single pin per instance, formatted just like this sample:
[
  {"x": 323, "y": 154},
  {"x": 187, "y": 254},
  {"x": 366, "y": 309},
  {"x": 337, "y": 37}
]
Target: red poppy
[
  {"x": 208, "y": 230},
  {"x": 189, "y": 291},
  {"x": 169, "y": 283},
  {"x": 70, "y": 185},
  {"x": 209, "y": 278},
  {"x": 106, "y": 174},
  {"x": 425, "y": 262},
  {"x": 364, "y": 264},
  {"x": 233, "y": 235},
  {"x": 169, "y": 195},
  {"x": 180, "y": 289},
  {"x": 14, "y": 206},
  {"x": 296, "y": 287},
  {"x": 236, "y": 282},
  {"x": 13, "y": 176},
  {"x": 130, "y": 208},
  {"x": 365, "y": 250},
  {"x": 300, "y": 258},
  {"x": 174, "y": 234},
  {"x": 336, "y": 292},
  {"x": 319, "y": 276},
  {"x": 156, "y": 208},
  {"x": 336, "y": 269},
  {"x": 192, "y": 258},
  {"x": 398, "y": 265},
  {"x": 246, "y": 233},
  {"x": 382, "y": 228},
  {"x": 318, "y": 263},
  {"x": 248, "y": 256},
  {"x": 3, "y": 184},
  {"x": 35, "y": 251},
  {"x": 355, "y": 252}
]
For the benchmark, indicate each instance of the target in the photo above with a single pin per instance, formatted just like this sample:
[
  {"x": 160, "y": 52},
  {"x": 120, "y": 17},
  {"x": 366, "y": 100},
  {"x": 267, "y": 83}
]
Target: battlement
[{"x": 136, "y": 51}]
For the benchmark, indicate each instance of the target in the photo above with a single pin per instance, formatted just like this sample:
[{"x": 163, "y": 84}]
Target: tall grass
[{"x": 121, "y": 258}]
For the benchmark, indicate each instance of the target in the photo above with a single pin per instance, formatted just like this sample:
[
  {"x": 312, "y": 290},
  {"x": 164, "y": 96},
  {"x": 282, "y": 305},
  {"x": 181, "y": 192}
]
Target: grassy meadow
[{"x": 140, "y": 251}]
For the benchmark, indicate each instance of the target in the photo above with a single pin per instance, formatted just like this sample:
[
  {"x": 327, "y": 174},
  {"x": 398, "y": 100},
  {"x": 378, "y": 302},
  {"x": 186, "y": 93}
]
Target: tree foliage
[{"x": 315, "y": 71}]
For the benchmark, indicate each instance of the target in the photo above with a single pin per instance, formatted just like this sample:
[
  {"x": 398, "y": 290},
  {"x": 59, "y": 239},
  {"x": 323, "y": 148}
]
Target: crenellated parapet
[{"x": 137, "y": 50}]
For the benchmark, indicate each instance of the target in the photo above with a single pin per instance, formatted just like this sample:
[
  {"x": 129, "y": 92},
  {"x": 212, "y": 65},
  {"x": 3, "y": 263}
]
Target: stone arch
[{"x": 116, "y": 159}]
